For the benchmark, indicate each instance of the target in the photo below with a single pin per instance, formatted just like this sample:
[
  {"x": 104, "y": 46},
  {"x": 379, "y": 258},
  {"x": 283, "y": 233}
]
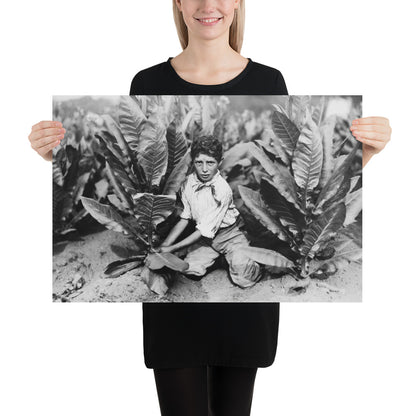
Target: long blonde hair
[{"x": 236, "y": 29}]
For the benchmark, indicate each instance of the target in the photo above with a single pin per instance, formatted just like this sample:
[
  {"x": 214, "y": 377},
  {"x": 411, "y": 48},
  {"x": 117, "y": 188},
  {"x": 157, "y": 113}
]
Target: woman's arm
[{"x": 373, "y": 132}]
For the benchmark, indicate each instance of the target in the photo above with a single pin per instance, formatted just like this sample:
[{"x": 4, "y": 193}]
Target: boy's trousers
[{"x": 244, "y": 272}]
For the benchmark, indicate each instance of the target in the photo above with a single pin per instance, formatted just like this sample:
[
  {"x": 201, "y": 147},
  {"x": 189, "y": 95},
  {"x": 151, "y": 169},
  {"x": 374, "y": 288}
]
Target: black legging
[{"x": 205, "y": 391}]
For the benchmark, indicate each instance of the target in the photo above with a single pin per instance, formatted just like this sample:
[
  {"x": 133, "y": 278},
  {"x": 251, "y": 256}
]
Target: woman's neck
[{"x": 208, "y": 62}]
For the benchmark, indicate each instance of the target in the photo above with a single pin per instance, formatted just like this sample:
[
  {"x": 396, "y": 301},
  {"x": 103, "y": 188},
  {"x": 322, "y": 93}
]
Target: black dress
[{"x": 194, "y": 334}]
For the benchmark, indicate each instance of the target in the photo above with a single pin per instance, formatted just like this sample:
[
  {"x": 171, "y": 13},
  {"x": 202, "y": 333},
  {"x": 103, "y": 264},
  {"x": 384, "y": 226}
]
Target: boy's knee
[
  {"x": 195, "y": 270},
  {"x": 244, "y": 272}
]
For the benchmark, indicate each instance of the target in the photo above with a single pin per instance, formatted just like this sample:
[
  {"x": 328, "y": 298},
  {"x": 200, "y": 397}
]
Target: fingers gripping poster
[{"x": 207, "y": 199}]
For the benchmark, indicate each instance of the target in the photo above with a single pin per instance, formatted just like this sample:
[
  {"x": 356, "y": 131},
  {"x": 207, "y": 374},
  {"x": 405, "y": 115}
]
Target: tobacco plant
[
  {"x": 146, "y": 160},
  {"x": 75, "y": 173},
  {"x": 307, "y": 198},
  {"x": 77, "y": 167}
]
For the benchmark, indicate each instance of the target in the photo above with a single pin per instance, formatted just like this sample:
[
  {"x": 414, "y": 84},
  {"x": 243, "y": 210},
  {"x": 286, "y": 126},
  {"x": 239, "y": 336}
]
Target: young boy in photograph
[{"x": 208, "y": 201}]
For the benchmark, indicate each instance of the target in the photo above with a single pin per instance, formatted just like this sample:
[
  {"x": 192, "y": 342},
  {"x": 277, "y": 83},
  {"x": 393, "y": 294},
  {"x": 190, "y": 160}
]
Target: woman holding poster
[{"x": 205, "y": 356}]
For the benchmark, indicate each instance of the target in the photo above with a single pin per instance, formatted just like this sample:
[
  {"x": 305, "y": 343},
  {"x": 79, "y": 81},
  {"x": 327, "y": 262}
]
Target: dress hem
[{"x": 255, "y": 363}]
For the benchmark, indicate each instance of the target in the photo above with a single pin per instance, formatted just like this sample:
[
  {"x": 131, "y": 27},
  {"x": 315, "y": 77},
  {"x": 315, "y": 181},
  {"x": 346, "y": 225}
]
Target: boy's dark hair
[{"x": 208, "y": 145}]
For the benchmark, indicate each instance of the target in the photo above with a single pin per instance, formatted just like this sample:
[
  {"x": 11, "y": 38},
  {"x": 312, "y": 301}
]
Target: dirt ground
[{"x": 78, "y": 277}]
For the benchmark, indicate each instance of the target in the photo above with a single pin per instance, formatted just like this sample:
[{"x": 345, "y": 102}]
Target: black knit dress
[{"x": 194, "y": 334}]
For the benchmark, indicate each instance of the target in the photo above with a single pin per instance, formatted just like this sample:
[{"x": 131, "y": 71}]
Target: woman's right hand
[{"x": 46, "y": 135}]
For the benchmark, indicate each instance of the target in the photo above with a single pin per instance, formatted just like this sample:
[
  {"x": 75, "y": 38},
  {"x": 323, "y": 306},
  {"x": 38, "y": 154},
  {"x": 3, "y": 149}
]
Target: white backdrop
[{"x": 87, "y": 359}]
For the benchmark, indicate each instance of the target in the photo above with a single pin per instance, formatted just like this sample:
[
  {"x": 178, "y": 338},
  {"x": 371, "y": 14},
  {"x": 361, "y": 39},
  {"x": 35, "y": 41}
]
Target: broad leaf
[
  {"x": 177, "y": 176},
  {"x": 116, "y": 202},
  {"x": 154, "y": 158},
  {"x": 280, "y": 174},
  {"x": 339, "y": 196},
  {"x": 286, "y": 212},
  {"x": 354, "y": 206},
  {"x": 120, "y": 267},
  {"x": 346, "y": 251},
  {"x": 121, "y": 184},
  {"x": 156, "y": 261},
  {"x": 319, "y": 111},
  {"x": 131, "y": 120},
  {"x": 188, "y": 119},
  {"x": 151, "y": 210},
  {"x": 254, "y": 202},
  {"x": 322, "y": 229},
  {"x": 207, "y": 111},
  {"x": 327, "y": 133},
  {"x": 302, "y": 104},
  {"x": 285, "y": 130},
  {"x": 307, "y": 158},
  {"x": 176, "y": 145},
  {"x": 107, "y": 216},
  {"x": 116, "y": 141},
  {"x": 80, "y": 186},
  {"x": 354, "y": 232},
  {"x": 274, "y": 145},
  {"x": 233, "y": 155},
  {"x": 354, "y": 180},
  {"x": 336, "y": 179}
]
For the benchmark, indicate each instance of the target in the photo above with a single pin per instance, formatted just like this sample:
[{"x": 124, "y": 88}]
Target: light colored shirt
[{"x": 210, "y": 204}]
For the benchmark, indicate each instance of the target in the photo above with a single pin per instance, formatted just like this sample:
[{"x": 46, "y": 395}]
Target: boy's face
[{"x": 205, "y": 167}]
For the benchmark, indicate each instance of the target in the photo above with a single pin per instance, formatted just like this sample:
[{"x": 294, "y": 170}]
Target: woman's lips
[{"x": 208, "y": 21}]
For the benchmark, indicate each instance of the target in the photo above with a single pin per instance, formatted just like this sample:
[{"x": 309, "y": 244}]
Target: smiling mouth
[{"x": 208, "y": 20}]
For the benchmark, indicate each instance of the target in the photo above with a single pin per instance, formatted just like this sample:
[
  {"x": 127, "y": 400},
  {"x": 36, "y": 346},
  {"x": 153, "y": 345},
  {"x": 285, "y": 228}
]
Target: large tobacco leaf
[
  {"x": 307, "y": 158},
  {"x": 150, "y": 210},
  {"x": 119, "y": 267},
  {"x": 108, "y": 216},
  {"x": 322, "y": 229},
  {"x": 122, "y": 185},
  {"x": 285, "y": 130},
  {"x": 177, "y": 176},
  {"x": 156, "y": 261},
  {"x": 354, "y": 206},
  {"x": 252, "y": 199},
  {"x": 280, "y": 174},
  {"x": 177, "y": 147},
  {"x": 346, "y": 251},
  {"x": 338, "y": 176},
  {"x": 327, "y": 134},
  {"x": 289, "y": 216},
  {"x": 132, "y": 120},
  {"x": 154, "y": 158}
]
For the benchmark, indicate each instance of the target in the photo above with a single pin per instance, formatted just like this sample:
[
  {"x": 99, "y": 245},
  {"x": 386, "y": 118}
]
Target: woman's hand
[
  {"x": 373, "y": 132},
  {"x": 46, "y": 135}
]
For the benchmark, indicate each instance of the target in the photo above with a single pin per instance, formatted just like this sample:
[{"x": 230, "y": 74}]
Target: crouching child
[{"x": 208, "y": 200}]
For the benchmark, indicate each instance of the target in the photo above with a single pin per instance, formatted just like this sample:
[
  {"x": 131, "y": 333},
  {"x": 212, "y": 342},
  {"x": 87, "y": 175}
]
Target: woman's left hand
[{"x": 373, "y": 132}]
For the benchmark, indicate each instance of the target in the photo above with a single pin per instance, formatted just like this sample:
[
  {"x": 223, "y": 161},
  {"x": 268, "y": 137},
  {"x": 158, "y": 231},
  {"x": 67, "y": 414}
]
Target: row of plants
[{"x": 295, "y": 176}]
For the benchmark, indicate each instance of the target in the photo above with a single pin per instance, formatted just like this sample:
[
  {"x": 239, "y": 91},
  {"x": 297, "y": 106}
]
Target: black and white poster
[{"x": 207, "y": 199}]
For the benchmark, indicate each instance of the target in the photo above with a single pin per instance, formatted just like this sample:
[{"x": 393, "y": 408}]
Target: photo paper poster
[{"x": 207, "y": 199}]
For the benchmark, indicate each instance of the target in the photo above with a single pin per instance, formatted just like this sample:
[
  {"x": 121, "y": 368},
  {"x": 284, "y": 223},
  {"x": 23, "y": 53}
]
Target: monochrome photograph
[{"x": 207, "y": 198}]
